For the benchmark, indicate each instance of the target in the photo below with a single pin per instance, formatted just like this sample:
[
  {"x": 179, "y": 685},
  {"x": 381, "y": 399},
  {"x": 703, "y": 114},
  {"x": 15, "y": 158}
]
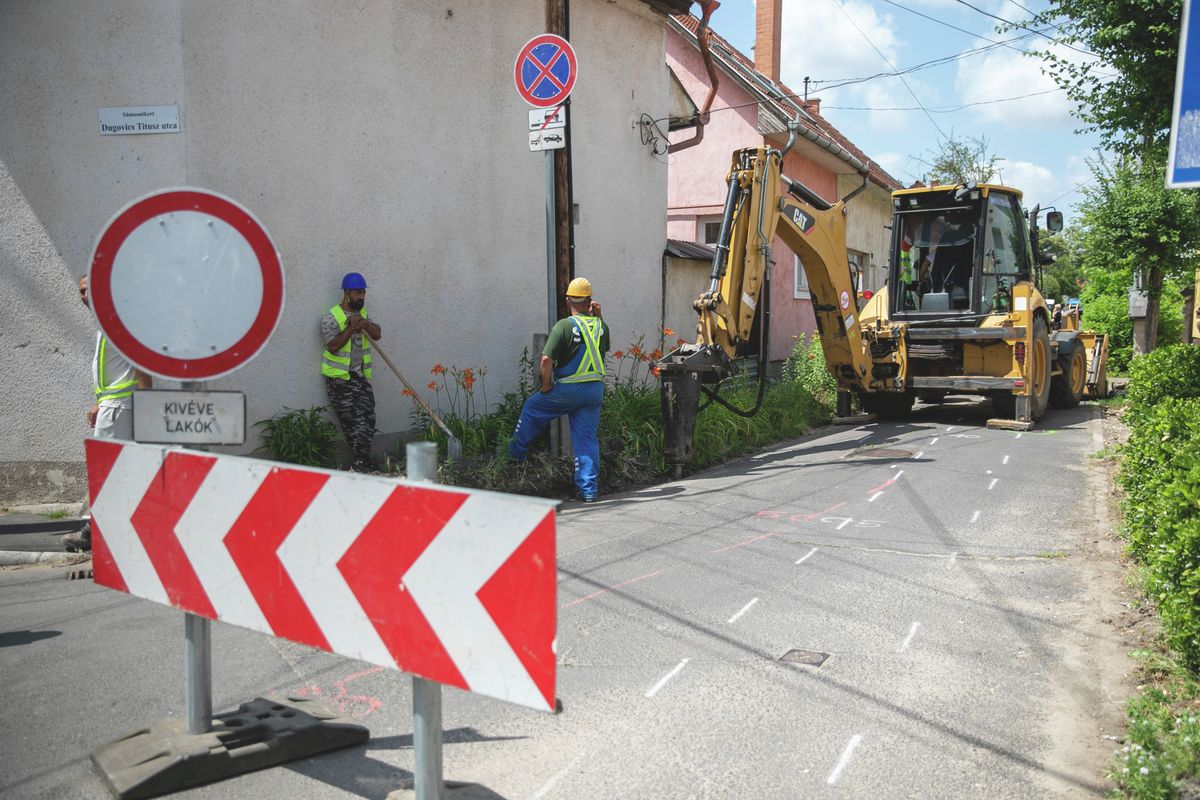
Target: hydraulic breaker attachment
[{"x": 682, "y": 372}]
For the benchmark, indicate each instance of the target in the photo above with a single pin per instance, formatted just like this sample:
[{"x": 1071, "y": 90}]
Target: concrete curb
[{"x": 15, "y": 558}]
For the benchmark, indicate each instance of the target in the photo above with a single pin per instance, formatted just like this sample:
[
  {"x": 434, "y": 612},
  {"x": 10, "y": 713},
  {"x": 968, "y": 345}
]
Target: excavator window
[
  {"x": 1004, "y": 253},
  {"x": 936, "y": 258}
]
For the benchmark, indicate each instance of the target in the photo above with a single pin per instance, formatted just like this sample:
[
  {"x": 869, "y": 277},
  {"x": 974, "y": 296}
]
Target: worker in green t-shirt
[{"x": 572, "y": 383}]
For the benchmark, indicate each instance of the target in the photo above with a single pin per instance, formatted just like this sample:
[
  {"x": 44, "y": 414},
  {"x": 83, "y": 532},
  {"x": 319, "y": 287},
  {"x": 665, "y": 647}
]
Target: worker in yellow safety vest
[
  {"x": 346, "y": 367},
  {"x": 572, "y": 383},
  {"x": 114, "y": 380}
]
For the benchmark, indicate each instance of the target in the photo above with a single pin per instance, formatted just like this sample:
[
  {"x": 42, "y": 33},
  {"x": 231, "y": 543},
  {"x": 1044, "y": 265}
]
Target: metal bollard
[{"x": 427, "y": 695}]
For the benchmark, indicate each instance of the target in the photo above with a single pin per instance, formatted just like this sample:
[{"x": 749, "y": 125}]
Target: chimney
[
  {"x": 766, "y": 37},
  {"x": 813, "y": 104}
]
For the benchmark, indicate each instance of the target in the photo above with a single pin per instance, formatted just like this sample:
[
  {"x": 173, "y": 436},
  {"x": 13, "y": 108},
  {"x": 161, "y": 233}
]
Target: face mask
[{"x": 356, "y": 305}]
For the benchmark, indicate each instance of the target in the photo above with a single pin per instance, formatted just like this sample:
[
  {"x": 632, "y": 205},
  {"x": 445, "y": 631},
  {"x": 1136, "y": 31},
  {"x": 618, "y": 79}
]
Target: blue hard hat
[{"x": 354, "y": 280}]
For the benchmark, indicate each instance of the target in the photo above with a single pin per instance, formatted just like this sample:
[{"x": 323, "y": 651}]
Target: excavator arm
[{"x": 756, "y": 210}]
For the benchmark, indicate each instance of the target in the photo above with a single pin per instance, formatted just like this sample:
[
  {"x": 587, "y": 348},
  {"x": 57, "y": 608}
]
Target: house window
[
  {"x": 800, "y": 280},
  {"x": 711, "y": 231},
  {"x": 860, "y": 266}
]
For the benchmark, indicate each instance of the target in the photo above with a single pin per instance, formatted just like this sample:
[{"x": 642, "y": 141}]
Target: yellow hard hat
[{"x": 580, "y": 287}]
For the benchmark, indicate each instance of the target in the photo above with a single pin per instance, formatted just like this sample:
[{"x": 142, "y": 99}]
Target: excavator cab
[{"x": 956, "y": 252}]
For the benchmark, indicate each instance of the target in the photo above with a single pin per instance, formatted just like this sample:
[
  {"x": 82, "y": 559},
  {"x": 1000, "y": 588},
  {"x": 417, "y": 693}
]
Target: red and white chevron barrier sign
[{"x": 453, "y": 585}]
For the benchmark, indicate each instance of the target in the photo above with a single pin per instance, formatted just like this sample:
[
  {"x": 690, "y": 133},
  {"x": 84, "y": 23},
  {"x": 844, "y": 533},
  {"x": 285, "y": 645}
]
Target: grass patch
[
  {"x": 57, "y": 514},
  {"x": 1160, "y": 758},
  {"x": 1050, "y": 554}
]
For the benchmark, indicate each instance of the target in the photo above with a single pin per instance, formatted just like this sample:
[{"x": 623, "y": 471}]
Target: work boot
[{"x": 80, "y": 541}]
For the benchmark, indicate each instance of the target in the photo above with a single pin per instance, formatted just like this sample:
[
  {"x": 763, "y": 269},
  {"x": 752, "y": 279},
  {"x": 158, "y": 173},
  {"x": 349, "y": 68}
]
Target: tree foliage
[
  {"x": 1130, "y": 222},
  {"x": 1123, "y": 90},
  {"x": 963, "y": 160}
]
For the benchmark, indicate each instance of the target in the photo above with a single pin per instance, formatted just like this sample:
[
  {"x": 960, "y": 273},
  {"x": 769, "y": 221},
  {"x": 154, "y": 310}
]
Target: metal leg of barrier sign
[
  {"x": 421, "y": 458},
  {"x": 199, "y": 673}
]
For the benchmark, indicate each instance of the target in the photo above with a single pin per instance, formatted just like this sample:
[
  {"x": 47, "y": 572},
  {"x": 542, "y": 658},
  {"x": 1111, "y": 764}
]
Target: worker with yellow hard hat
[{"x": 572, "y": 383}]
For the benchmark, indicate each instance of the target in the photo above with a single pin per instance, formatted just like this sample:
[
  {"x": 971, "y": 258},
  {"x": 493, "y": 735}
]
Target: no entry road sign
[
  {"x": 545, "y": 70},
  {"x": 186, "y": 284},
  {"x": 453, "y": 585}
]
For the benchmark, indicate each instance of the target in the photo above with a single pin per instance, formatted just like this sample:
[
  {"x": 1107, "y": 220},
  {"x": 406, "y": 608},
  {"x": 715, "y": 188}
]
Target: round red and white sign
[
  {"x": 845, "y": 300},
  {"x": 186, "y": 284}
]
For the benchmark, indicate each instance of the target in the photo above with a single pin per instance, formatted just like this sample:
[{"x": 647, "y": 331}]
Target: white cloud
[
  {"x": 1003, "y": 73},
  {"x": 1037, "y": 183},
  {"x": 818, "y": 40}
]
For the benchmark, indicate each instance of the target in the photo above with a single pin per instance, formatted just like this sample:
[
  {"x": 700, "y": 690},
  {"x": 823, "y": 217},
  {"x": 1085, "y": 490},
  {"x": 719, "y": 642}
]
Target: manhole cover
[
  {"x": 809, "y": 658},
  {"x": 884, "y": 452}
]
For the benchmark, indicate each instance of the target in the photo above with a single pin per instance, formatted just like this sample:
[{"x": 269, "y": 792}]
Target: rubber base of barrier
[
  {"x": 264, "y": 732},
  {"x": 453, "y": 790}
]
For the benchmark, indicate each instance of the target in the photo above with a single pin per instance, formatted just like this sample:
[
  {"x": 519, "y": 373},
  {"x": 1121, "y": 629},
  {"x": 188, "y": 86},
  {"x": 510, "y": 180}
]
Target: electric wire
[
  {"x": 949, "y": 109},
  {"x": 948, "y": 25},
  {"x": 892, "y": 66},
  {"x": 1025, "y": 28}
]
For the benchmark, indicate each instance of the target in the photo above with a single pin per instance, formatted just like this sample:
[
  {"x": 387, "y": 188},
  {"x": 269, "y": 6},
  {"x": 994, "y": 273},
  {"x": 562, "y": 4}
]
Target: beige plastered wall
[{"x": 380, "y": 137}]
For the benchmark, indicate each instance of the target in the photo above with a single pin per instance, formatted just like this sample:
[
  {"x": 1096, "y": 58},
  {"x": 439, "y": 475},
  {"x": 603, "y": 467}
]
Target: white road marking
[
  {"x": 989, "y": 472},
  {"x": 844, "y": 761},
  {"x": 846, "y": 522},
  {"x": 1005, "y": 461},
  {"x": 975, "y": 516},
  {"x": 897, "y": 475},
  {"x": 548, "y": 785},
  {"x": 934, "y": 440},
  {"x": 919, "y": 454},
  {"x": 804, "y": 557},
  {"x": 950, "y": 428},
  {"x": 745, "y": 608},
  {"x": 1018, "y": 436},
  {"x": 653, "y": 691},
  {"x": 992, "y": 485},
  {"x": 953, "y": 558},
  {"x": 908, "y": 639},
  {"x": 870, "y": 499}
]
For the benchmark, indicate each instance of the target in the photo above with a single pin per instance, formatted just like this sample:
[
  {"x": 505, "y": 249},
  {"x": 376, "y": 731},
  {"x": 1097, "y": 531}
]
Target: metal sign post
[
  {"x": 421, "y": 458},
  {"x": 198, "y": 632}
]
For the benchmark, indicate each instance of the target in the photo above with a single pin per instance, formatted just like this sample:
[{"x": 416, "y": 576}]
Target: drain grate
[
  {"x": 883, "y": 452},
  {"x": 809, "y": 658}
]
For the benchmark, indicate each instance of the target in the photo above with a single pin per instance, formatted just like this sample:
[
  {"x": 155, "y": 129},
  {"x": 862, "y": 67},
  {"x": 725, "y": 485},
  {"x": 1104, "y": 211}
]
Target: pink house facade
[{"x": 751, "y": 107}]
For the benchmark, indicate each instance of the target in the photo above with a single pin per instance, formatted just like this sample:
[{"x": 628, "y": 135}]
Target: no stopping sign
[{"x": 186, "y": 283}]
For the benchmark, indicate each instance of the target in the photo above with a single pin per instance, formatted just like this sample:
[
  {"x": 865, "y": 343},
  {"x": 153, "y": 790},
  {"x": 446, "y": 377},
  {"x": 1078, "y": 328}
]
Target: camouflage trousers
[{"x": 353, "y": 404}]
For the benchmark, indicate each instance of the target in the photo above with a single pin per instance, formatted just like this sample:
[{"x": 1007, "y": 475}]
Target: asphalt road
[{"x": 955, "y": 580}]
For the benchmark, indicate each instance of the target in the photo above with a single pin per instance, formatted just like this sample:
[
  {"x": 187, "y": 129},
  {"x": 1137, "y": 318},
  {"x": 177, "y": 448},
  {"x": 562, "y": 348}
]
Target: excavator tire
[
  {"x": 1066, "y": 390},
  {"x": 887, "y": 405},
  {"x": 1039, "y": 359}
]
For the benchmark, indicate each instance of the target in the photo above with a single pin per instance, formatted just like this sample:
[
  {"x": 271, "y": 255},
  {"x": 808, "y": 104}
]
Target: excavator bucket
[{"x": 1095, "y": 345}]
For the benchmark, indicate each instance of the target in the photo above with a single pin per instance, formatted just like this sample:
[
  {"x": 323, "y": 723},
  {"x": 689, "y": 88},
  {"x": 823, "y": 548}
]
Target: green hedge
[{"x": 1160, "y": 472}]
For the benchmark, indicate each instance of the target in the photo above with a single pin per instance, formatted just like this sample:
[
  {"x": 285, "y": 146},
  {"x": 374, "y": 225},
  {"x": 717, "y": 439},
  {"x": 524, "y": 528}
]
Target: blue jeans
[{"x": 581, "y": 403}]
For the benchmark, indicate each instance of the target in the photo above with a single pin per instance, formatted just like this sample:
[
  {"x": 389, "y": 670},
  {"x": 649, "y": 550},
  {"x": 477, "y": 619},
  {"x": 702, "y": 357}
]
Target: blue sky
[{"x": 834, "y": 40}]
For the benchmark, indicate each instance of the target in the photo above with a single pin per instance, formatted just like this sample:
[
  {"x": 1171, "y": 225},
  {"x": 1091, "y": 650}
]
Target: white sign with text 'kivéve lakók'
[{"x": 172, "y": 417}]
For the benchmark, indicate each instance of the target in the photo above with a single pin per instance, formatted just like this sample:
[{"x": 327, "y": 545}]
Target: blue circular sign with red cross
[{"x": 545, "y": 70}]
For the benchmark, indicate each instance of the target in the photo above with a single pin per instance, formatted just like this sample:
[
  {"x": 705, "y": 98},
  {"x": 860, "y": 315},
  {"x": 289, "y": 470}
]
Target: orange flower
[
  {"x": 408, "y": 393},
  {"x": 655, "y": 371},
  {"x": 618, "y": 353},
  {"x": 468, "y": 373},
  {"x": 432, "y": 386},
  {"x": 468, "y": 381},
  {"x": 438, "y": 369},
  {"x": 680, "y": 342},
  {"x": 635, "y": 350},
  {"x": 644, "y": 356},
  {"x": 656, "y": 355},
  {"x": 668, "y": 332}
]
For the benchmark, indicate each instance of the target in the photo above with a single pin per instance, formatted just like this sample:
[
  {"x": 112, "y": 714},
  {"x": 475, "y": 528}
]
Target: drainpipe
[{"x": 707, "y": 7}]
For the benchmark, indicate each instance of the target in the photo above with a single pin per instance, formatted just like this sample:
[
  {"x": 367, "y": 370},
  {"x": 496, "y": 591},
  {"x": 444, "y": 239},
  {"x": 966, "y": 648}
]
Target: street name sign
[
  {"x": 186, "y": 284},
  {"x": 454, "y": 585},
  {"x": 1183, "y": 164},
  {"x": 179, "y": 417},
  {"x": 545, "y": 70},
  {"x": 138, "y": 120}
]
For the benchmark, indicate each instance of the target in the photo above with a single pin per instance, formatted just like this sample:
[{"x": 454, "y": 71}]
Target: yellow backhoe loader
[{"x": 961, "y": 311}]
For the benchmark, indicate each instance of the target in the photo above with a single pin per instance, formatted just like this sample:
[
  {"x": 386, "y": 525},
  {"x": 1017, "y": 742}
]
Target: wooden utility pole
[{"x": 558, "y": 23}]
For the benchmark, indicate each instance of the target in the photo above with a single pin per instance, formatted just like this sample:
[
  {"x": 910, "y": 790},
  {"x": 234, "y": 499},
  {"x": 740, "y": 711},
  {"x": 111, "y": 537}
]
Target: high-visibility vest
[
  {"x": 338, "y": 365},
  {"x": 589, "y": 358},
  {"x": 907, "y": 273},
  {"x": 112, "y": 391}
]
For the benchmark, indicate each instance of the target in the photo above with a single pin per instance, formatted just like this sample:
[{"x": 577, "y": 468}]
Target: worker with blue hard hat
[{"x": 346, "y": 367}]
